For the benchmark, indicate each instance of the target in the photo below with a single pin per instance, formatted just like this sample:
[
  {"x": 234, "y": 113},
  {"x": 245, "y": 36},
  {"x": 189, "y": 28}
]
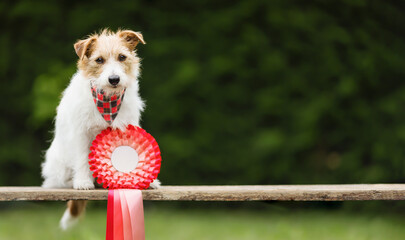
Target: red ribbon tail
[
  {"x": 110, "y": 216},
  {"x": 125, "y": 219}
]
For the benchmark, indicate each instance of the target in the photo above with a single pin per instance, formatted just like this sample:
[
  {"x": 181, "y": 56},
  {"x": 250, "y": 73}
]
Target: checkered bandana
[{"x": 108, "y": 106}]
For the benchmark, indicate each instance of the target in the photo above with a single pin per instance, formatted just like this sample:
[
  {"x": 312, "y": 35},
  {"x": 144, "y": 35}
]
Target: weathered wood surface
[{"x": 222, "y": 193}]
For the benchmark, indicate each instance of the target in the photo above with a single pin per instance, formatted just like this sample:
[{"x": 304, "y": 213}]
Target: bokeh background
[{"x": 237, "y": 92}]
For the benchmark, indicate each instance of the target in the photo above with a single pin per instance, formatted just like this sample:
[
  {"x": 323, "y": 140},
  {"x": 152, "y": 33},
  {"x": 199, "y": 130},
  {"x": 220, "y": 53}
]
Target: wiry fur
[
  {"x": 78, "y": 120},
  {"x": 74, "y": 209}
]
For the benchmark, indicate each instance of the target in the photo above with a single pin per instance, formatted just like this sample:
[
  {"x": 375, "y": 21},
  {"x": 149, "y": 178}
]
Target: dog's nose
[{"x": 114, "y": 79}]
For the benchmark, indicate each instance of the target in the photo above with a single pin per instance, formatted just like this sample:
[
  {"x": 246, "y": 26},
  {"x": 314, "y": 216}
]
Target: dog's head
[{"x": 109, "y": 59}]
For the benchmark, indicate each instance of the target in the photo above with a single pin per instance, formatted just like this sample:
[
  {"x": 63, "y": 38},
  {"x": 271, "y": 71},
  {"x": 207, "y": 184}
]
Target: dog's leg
[
  {"x": 82, "y": 176},
  {"x": 54, "y": 170}
]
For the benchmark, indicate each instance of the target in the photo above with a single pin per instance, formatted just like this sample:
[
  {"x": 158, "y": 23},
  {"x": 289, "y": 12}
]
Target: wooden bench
[{"x": 338, "y": 192}]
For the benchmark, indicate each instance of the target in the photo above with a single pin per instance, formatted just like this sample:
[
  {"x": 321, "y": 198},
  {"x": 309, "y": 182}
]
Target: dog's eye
[
  {"x": 122, "y": 58},
  {"x": 100, "y": 60}
]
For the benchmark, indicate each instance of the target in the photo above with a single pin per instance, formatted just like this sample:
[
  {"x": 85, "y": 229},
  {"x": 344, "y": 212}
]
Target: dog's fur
[{"x": 78, "y": 120}]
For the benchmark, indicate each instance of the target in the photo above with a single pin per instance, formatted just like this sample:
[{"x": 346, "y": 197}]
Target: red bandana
[{"x": 108, "y": 106}]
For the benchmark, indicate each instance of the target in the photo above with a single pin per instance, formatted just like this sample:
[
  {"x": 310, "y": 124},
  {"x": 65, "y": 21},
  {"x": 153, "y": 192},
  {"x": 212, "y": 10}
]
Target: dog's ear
[
  {"x": 84, "y": 47},
  {"x": 131, "y": 38}
]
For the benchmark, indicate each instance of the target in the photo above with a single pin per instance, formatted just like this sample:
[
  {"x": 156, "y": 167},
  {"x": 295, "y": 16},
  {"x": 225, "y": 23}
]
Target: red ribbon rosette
[{"x": 113, "y": 165}]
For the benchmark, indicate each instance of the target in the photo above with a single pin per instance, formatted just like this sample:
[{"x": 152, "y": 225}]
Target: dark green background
[{"x": 237, "y": 92}]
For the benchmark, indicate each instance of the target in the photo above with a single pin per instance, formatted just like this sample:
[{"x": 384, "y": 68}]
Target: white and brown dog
[{"x": 108, "y": 63}]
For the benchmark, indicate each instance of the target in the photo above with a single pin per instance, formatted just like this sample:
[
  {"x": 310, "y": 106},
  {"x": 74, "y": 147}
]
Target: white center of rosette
[{"x": 124, "y": 159}]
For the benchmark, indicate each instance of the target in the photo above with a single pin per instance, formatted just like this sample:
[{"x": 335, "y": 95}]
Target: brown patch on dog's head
[
  {"x": 131, "y": 38},
  {"x": 84, "y": 47},
  {"x": 101, "y": 50}
]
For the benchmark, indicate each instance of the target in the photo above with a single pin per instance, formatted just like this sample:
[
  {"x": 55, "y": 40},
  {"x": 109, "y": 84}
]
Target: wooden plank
[{"x": 343, "y": 192}]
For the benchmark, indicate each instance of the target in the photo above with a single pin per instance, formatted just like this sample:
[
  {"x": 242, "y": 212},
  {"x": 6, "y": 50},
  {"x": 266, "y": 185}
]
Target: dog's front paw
[
  {"x": 83, "y": 185},
  {"x": 155, "y": 184}
]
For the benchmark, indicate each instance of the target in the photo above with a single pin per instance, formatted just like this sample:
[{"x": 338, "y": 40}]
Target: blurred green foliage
[
  {"x": 162, "y": 222},
  {"x": 237, "y": 92}
]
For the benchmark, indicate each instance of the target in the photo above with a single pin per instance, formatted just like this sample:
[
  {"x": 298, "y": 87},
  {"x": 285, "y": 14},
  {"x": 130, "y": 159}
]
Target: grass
[{"x": 39, "y": 221}]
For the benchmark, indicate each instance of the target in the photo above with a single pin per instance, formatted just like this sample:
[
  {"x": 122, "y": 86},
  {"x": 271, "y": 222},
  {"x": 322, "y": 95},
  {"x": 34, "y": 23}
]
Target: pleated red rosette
[{"x": 137, "y": 138}]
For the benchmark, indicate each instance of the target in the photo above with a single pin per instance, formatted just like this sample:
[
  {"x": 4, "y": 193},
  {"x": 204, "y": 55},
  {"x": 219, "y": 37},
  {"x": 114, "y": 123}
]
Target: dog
[{"x": 107, "y": 63}]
